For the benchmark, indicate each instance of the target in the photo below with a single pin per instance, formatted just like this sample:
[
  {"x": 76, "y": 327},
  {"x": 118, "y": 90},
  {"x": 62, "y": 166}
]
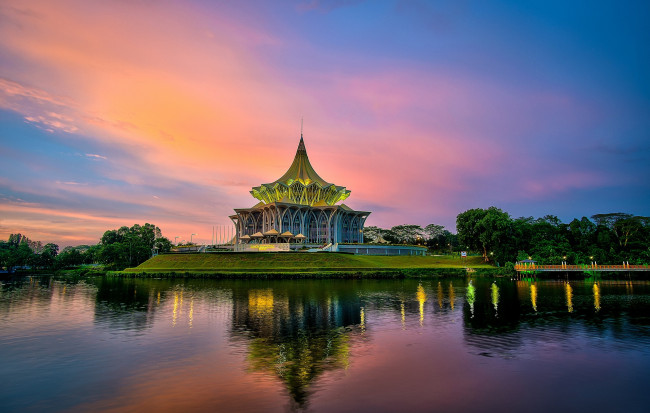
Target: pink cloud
[{"x": 185, "y": 100}]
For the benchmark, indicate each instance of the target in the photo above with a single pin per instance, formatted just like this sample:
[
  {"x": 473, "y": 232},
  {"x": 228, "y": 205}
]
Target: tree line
[
  {"x": 117, "y": 249},
  {"x": 604, "y": 238},
  {"x": 434, "y": 236}
]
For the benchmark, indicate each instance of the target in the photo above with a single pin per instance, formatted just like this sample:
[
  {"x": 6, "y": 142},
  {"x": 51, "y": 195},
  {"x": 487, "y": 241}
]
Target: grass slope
[{"x": 287, "y": 262}]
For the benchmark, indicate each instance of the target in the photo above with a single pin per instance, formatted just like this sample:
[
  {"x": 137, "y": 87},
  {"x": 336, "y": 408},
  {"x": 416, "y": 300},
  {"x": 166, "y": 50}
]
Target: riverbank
[{"x": 306, "y": 265}]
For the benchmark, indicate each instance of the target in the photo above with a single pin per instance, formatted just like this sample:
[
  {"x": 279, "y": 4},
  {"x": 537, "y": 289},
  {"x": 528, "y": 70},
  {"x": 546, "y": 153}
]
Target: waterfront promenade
[{"x": 580, "y": 268}]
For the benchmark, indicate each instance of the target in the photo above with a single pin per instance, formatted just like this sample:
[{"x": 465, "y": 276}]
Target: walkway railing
[{"x": 583, "y": 267}]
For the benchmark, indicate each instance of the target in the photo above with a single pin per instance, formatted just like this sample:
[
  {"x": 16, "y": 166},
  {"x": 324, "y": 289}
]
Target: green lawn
[{"x": 234, "y": 262}]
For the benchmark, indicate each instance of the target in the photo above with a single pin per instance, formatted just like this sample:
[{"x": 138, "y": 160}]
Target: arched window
[
  {"x": 258, "y": 222},
  {"x": 249, "y": 225},
  {"x": 323, "y": 233},
  {"x": 286, "y": 221},
  {"x": 295, "y": 229},
  {"x": 354, "y": 230},
  {"x": 345, "y": 231},
  {"x": 312, "y": 227}
]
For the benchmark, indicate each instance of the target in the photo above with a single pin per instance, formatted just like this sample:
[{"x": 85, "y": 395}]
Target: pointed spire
[
  {"x": 301, "y": 146},
  {"x": 301, "y": 169}
]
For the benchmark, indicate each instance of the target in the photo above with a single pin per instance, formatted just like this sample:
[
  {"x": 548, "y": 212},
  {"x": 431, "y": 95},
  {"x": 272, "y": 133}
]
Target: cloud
[
  {"x": 198, "y": 104},
  {"x": 70, "y": 183},
  {"x": 95, "y": 156},
  {"x": 38, "y": 106}
]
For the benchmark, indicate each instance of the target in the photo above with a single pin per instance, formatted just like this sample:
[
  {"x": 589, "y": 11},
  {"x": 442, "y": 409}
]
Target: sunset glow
[{"x": 117, "y": 112}]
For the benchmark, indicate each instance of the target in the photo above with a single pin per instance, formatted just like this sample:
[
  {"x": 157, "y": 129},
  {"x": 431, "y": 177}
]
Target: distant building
[{"x": 300, "y": 206}]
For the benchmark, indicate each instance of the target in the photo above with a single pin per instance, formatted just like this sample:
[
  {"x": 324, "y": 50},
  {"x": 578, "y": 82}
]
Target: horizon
[{"x": 122, "y": 113}]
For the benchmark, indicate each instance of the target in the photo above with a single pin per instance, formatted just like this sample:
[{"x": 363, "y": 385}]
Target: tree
[
  {"x": 20, "y": 256},
  {"x": 409, "y": 234},
  {"x": 433, "y": 231},
  {"x": 129, "y": 247},
  {"x": 47, "y": 256},
  {"x": 496, "y": 235},
  {"x": 373, "y": 234},
  {"x": 71, "y": 257},
  {"x": 488, "y": 231},
  {"x": 468, "y": 227},
  {"x": 581, "y": 234},
  {"x": 4, "y": 254},
  {"x": 163, "y": 245}
]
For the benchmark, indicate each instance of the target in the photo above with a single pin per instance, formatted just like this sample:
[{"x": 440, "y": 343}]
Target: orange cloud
[{"x": 188, "y": 108}]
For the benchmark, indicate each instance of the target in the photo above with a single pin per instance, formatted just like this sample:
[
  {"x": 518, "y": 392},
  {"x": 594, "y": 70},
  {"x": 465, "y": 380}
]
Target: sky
[{"x": 119, "y": 112}]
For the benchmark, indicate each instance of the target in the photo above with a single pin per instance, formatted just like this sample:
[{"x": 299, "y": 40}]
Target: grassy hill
[{"x": 297, "y": 262}]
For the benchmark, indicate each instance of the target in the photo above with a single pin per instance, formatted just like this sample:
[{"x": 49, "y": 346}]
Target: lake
[{"x": 443, "y": 344}]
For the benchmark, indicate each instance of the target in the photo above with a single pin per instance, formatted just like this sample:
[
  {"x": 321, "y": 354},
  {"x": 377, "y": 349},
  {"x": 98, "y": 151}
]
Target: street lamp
[
  {"x": 191, "y": 237},
  {"x": 176, "y": 240}
]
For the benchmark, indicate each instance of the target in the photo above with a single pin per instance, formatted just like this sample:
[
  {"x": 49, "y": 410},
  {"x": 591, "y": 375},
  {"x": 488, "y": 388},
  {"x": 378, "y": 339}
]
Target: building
[{"x": 299, "y": 207}]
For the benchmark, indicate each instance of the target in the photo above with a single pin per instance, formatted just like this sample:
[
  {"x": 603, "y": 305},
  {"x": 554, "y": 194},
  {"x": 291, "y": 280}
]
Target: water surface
[{"x": 470, "y": 345}]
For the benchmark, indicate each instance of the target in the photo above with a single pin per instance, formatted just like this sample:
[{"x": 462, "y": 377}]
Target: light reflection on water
[{"x": 346, "y": 345}]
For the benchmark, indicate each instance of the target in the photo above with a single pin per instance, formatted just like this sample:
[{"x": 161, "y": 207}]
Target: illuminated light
[
  {"x": 158, "y": 300},
  {"x": 422, "y": 298},
  {"x": 569, "y": 297},
  {"x": 597, "y": 297},
  {"x": 262, "y": 247},
  {"x": 440, "y": 294},
  {"x": 470, "y": 296},
  {"x": 495, "y": 297},
  {"x": 191, "y": 316},
  {"x": 452, "y": 296},
  {"x": 260, "y": 302},
  {"x": 401, "y": 308},
  {"x": 175, "y": 311},
  {"x": 533, "y": 296}
]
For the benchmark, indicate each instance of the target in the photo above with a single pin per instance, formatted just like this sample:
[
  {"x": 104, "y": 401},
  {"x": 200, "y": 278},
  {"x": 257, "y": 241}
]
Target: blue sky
[{"x": 115, "y": 113}]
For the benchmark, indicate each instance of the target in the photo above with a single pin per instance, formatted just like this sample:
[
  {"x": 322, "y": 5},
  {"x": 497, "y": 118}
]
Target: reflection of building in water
[
  {"x": 296, "y": 336},
  {"x": 422, "y": 298},
  {"x": 520, "y": 309},
  {"x": 452, "y": 296},
  {"x": 470, "y": 296},
  {"x": 133, "y": 304},
  {"x": 596, "y": 289},
  {"x": 495, "y": 298},
  {"x": 126, "y": 304},
  {"x": 441, "y": 295},
  {"x": 533, "y": 296},
  {"x": 569, "y": 296}
]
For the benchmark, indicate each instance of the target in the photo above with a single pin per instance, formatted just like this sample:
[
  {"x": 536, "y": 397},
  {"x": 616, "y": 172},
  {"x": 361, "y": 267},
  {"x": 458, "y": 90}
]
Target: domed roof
[
  {"x": 301, "y": 169},
  {"x": 300, "y": 184}
]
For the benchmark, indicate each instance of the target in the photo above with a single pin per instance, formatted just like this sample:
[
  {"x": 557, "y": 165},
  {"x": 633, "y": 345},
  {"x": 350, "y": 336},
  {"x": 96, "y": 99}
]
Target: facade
[{"x": 301, "y": 207}]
